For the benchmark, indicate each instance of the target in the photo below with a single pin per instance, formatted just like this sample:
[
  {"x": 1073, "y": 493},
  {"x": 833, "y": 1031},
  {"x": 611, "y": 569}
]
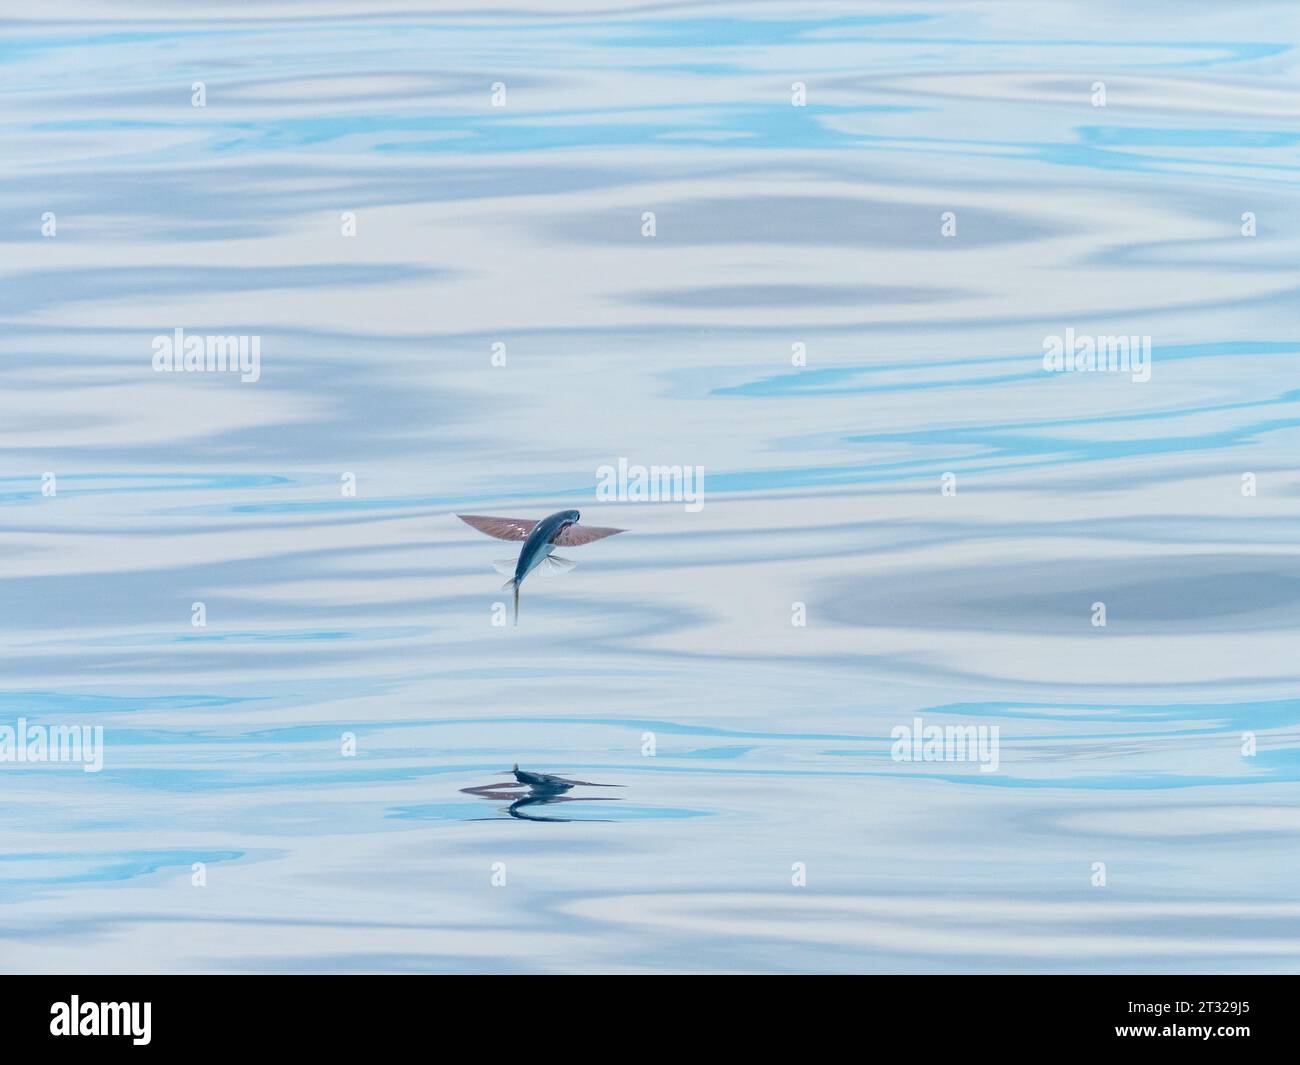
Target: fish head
[{"x": 570, "y": 517}]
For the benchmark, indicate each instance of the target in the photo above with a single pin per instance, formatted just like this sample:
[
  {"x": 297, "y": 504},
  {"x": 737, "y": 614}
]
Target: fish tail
[{"x": 513, "y": 583}]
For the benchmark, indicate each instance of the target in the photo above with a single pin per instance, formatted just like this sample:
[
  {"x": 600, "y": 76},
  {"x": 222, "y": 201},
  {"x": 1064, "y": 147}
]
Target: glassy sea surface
[{"x": 869, "y": 220}]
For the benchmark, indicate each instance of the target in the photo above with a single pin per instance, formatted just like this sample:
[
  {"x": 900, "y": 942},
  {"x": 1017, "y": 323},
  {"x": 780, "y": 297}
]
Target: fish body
[
  {"x": 542, "y": 780},
  {"x": 540, "y": 544}
]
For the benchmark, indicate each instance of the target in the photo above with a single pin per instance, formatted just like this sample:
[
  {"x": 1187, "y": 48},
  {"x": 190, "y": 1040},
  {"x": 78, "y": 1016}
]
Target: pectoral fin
[
  {"x": 577, "y": 535},
  {"x": 501, "y": 528}
]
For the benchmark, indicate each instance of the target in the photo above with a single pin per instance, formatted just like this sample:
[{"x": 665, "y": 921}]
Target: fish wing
[
  {"x": 577, "y": 535},
  {"x": 501, "y": 528}
]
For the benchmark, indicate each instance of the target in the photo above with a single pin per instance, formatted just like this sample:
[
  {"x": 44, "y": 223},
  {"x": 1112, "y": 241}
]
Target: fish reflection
[{"x": 544, "y": 789}]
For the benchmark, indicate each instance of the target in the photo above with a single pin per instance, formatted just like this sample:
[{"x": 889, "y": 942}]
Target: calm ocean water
[{"x": 765, "y": 822}]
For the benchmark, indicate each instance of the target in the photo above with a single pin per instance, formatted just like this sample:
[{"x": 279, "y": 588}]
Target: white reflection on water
[{"x": 776, "y": 225}]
